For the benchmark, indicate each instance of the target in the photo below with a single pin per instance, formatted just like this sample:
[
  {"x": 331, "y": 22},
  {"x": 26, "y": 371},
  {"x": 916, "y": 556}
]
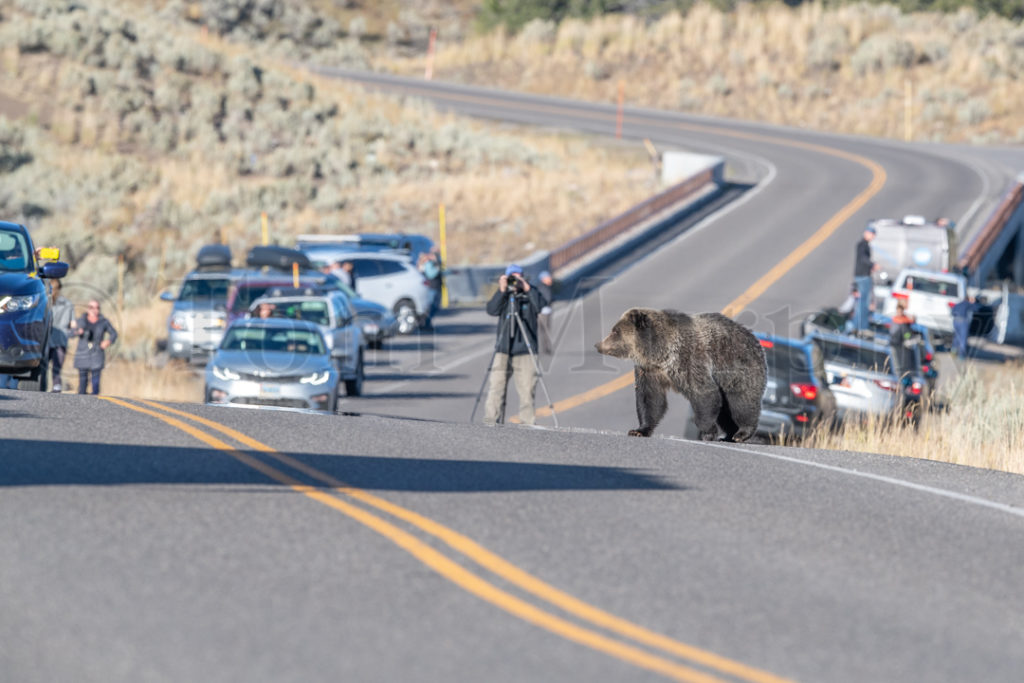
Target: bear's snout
[{"x": 609, "y": 348}]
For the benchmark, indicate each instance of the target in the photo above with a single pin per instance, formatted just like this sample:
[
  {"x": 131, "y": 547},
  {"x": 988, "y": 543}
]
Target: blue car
[
  {"x": 796, "y": 397},
  {"x": 25, "y": 315}
]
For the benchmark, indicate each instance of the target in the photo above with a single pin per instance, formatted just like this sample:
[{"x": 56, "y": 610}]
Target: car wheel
[
  {"x": 37, "y": 380},
  {"x": 408, "y": 321},
  {"x": 354, "y": 387}
]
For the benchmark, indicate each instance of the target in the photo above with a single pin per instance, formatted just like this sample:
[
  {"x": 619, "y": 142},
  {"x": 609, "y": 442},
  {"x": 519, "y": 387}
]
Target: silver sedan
[{"x": 273, "y": 362}]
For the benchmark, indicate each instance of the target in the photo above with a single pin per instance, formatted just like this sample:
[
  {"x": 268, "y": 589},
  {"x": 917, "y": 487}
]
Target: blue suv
[
  {"x": 25, "y": 315},
  {"x": 797, "y": 396}
]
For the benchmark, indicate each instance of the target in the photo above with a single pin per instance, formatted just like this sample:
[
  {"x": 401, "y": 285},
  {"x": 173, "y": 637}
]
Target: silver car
[
  {"x": 862, "y": 375},
  {"x": 273, "y": 362},
  {"x": 198, "y": 319},
  {"x": 334, "y": 315}
]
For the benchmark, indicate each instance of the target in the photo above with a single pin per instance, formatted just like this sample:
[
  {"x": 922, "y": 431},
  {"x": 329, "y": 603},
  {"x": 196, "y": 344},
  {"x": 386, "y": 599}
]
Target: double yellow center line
[{"x": 617, "y": 638}]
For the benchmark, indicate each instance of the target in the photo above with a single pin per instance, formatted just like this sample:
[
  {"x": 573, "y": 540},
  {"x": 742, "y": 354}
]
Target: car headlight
[
  {"x": 10, "y": 304},
  {"x": 317, "y": 378},
  {"x": 225, "y": 374},
  {"x": 179, "y": 322}
]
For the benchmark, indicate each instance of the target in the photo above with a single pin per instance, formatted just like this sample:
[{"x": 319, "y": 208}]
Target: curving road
[{"x": 169, "y": 543}]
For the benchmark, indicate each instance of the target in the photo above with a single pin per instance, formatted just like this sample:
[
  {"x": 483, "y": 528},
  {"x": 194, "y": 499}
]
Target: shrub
[
  {"x": 881, "y": 52},
  {"x": 14, "y": 147}
]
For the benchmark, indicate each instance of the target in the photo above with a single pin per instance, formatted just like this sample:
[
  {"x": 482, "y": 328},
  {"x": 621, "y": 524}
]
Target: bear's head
[{"x": 634, "y": 336}]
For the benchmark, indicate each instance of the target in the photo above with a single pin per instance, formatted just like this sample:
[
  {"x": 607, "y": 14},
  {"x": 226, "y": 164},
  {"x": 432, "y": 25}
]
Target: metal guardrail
[
  {"x": 584, "y": 244},
  {"x": 997, "y": 222}
]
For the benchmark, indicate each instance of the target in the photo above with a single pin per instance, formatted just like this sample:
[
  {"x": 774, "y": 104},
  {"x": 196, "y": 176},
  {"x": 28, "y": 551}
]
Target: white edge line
[{"x": 944, "y": 493}]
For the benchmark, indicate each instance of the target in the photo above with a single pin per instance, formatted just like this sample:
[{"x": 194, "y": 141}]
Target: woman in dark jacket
[{"x": 90, "y": 357}]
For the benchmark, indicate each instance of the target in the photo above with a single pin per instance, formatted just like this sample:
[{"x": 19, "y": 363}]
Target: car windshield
[
  {"x": 854, "y": 356},
  {"x": 927, "y": 285},
  {"x": 255, "y": 338},
  {"x": 246, "y": 295},
  {"x": 205, "y": 289},
  {"x": 788, "y": 363},
  {"x": 14, "y": 253},
  {"x": 313, "y": 311}
]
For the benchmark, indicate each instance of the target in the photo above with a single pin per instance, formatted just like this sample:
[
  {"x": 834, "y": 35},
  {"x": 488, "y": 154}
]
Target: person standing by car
[
  {"x": 430, "y": 266},
  {"x": 350, "y": 268},
  {"x": 95, "y": 335},
  {"x": 962, "y": 312},
  {"x": 862, "y": 269},
  {"x": 514, "y": 302},
  {"x": 63, "y": 315}
]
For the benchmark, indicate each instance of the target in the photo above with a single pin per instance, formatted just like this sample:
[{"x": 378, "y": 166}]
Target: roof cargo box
[
  {"x": 214, "y": 256},
  {"x": 272, "y": 256}
]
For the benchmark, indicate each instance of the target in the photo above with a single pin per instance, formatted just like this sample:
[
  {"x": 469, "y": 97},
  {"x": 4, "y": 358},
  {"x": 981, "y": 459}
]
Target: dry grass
[
  {"x": 984, "y": 426},
  {"x": 844, "y": 69},
  {"x": 136, "y": 379}
]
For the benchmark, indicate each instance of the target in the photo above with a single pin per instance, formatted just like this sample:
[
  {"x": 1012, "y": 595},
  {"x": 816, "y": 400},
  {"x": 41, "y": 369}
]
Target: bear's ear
[{"x": 639, "y": 319}]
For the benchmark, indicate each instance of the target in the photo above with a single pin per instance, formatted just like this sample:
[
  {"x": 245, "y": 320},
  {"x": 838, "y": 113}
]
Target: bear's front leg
[{"x": 651, "y": 401}]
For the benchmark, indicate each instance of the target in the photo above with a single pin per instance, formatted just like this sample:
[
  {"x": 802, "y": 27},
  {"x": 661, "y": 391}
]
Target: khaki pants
[{"x": 525, "y": 376}]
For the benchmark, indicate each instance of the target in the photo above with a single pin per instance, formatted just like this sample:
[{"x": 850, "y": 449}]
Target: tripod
[{"x": 533, "y": 357}]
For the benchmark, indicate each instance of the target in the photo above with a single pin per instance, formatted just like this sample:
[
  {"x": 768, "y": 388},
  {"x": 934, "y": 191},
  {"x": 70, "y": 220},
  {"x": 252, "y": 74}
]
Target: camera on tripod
[{"x": 516, "y": 283}]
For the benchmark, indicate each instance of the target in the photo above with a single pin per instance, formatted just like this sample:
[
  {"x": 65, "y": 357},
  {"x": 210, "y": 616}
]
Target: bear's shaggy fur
[{"x": 715, "y": 362}]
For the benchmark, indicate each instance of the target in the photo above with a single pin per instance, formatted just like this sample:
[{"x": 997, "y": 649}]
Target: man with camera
[{"x": 517, "y": 306}]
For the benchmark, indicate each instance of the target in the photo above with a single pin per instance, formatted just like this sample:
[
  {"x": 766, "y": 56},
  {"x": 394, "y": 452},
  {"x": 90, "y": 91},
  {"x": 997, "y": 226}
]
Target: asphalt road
[{"x": 198, "y": 543}]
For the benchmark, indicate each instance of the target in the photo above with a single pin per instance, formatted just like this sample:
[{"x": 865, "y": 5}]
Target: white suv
[{"x": 387, "y": 279}]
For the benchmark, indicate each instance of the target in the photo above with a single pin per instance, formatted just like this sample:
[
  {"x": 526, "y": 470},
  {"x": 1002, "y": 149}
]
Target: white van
[{"x": 911, "y": 242}]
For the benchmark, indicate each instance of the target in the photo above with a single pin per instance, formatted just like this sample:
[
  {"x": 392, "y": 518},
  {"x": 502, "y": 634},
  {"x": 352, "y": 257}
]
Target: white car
[
  {"x": 929, "y": 297},
  {"x": 387, "y": 279}
]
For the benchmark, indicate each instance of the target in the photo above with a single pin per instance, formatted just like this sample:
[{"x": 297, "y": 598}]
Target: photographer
[
  {"x": 515, "y": 302},
  {"x": 95, "y": 335}
]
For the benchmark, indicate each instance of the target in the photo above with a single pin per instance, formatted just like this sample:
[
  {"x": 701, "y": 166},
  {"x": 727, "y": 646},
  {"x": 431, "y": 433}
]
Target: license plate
[{"x": 270, "y": 390}]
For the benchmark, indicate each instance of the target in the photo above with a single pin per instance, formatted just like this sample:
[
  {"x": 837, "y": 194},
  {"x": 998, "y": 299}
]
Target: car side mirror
[
  {"x": 167, "y": 296},
  {"x": 53, "y": 270}
]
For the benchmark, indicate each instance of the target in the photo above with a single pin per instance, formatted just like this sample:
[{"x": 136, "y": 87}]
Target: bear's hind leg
[
  {"x": 725, "y": 420},
  {"x": 651, "y": 402},
  {"x": 706, "y": 408},
  {"x": 744, "y": 412}
]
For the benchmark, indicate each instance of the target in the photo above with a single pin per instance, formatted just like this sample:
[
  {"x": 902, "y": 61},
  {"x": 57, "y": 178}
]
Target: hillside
[
  {"x": 866, "y": 69},
  {"x": 132, "y": 133}
]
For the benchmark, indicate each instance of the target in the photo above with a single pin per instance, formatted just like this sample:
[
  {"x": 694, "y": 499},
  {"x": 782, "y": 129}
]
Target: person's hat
[
  {"x": 543, "y": 275},
  {"x": 871, "y": 229},
  {"x": 513, "y": 269}
]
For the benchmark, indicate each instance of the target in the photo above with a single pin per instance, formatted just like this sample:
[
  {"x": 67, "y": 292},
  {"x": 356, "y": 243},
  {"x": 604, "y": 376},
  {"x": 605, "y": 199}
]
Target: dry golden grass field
[
  {"x": 984, "y": 426},
  {"x": 862, "y": 68}
]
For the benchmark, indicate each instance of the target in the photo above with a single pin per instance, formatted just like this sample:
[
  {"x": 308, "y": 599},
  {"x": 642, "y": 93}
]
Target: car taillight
[
  {"x": 900, "y": 295},
  {"x": 805, "y": 391},
  {"x": 886, "y": 384},
  {"x": 915, "y": 388},
  {"x": 951, "y": 303},
  {"x": 767, "y": 344},
  {"x": 802, "y": 418}
]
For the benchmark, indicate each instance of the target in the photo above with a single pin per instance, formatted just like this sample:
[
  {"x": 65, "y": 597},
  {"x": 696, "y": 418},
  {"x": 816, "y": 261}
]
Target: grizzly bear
[{"x": 715, "y": 362}]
